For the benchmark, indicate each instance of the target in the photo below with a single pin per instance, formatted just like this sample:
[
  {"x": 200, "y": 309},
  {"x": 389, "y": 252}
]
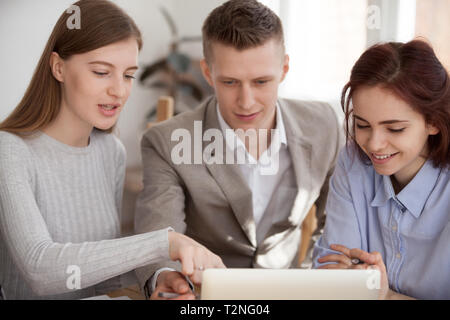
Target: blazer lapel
[
  {"x": 301, "y": 153},
  {"x": 230, "y": 179}
]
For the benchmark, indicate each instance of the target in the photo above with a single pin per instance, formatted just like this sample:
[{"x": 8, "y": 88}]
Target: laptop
[{"x": 289, "y": 284}]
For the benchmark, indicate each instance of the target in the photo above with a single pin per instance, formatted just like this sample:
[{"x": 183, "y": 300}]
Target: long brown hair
[
  {"x": 413, "y": 72},
  {"x": 102, "y": 23}
]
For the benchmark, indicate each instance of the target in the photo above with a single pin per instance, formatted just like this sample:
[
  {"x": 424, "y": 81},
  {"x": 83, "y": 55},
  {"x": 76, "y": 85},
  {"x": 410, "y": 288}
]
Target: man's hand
[{"x": 173, "y": 282}]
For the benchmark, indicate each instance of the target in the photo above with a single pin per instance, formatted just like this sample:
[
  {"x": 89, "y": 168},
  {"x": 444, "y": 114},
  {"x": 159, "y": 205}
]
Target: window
[
  {"x": 433, "y": 23},
  {"x": 324, "y": 38}
]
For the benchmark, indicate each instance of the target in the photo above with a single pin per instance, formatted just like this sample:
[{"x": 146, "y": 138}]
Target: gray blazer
[{"x": 212, "y": 203}]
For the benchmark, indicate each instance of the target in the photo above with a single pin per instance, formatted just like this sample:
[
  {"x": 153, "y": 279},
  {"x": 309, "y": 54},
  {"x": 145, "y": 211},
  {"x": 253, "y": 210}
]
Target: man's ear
[
  {"x": 285, "y": 67},
  {"x": 206, "y": 71},
  {"x": 57, "y": 66}
]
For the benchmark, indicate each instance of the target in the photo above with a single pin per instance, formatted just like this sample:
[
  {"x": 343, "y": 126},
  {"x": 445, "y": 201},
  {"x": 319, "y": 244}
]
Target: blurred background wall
[
  {"x": 323, "y": 38},
  {"x": 26, "y": 25}
]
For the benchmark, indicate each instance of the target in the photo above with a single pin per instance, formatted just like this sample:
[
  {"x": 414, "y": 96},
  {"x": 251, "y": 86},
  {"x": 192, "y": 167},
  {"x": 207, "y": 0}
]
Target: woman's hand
[
  {"x": 341, "y": 261},
  {"x": 367, "y": 260},
  {"x": 194, "y": 257}
]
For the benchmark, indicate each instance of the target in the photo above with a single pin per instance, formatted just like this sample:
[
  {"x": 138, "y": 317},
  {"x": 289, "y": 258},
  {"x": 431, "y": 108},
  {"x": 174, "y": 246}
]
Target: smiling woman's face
[
  {"x": 96, "y": 84},
  {"x": 390, "y": 132}
]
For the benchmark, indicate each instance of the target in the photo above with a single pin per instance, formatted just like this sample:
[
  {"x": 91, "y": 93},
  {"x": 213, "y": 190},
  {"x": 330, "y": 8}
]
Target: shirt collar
[
  {"x": 414, "y": 195},
  {"x": 279, "y": 134}
]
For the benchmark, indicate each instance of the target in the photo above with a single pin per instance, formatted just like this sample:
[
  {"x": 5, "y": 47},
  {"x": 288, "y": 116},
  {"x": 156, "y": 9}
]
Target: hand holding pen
[
  {"x": 357, "y": 259},
  {"x": 172, "y": 285}
]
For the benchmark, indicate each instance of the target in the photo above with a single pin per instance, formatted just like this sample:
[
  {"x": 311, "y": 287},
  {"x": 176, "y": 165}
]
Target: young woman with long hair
[{"x": 62, "y": 171}]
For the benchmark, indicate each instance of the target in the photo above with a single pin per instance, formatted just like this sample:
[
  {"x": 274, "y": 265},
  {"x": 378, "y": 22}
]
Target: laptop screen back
[{"x": 289, "y": 284}]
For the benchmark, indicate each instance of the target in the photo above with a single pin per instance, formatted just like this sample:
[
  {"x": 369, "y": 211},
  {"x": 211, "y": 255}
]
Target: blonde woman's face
[{"x": 96, "y": 84}]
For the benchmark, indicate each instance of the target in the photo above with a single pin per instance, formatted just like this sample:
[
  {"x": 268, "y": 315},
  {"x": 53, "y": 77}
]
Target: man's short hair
[{"x": 242, "y": 24}]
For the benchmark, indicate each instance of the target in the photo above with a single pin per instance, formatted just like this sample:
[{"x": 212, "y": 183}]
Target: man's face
[{"x": 246, "y": 83}]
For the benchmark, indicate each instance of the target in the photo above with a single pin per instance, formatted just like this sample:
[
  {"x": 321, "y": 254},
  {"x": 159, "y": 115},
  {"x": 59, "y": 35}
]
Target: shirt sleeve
[
  {"x": 47, "y": 266},
  {"x": 342, "y": 226}
]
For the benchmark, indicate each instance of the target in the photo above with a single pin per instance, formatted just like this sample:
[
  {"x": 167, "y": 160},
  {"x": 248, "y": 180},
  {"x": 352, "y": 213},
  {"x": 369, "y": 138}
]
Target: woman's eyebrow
[
  {"x": 111, "y": 65},
  {"x": 359, "y": 118},
  {"x": 392, "y": 121},
  {"x": 381, "y": 122}
]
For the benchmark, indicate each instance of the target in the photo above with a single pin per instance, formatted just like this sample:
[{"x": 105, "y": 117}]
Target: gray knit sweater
[{"x": 60, "y": 219}]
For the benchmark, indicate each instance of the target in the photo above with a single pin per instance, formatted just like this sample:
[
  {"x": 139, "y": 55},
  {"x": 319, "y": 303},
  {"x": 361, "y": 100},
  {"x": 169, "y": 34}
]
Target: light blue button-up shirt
[{"x": 411, "y": 230}]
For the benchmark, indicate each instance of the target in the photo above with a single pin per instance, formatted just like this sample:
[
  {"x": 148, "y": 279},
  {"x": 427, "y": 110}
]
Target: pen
[
  {"x": 172, "y": 295},
  {"x": 168, "y": 295},
  {"x": 356, "y": 261}
]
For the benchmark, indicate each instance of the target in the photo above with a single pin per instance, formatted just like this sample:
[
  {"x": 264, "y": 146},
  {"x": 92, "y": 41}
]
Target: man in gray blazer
[{"x": 248, "y": 212}]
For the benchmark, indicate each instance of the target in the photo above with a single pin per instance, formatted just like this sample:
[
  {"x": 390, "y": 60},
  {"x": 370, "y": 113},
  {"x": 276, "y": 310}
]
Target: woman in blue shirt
[{"x": 389, "y": 200}]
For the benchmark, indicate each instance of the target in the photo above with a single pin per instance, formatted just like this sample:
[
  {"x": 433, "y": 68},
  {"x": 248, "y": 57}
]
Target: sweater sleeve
[
  {"x": 50, "y": 267},
  {"x": 121, "y": 160}
]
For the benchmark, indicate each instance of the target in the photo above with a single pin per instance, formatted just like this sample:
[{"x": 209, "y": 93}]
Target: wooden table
[{"x": 133, "y": 292}]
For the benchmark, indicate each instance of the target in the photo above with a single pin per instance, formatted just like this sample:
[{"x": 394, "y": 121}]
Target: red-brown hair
[
  {"x": 102, "y": 23},
  {"x": 413, "y": 72}
]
